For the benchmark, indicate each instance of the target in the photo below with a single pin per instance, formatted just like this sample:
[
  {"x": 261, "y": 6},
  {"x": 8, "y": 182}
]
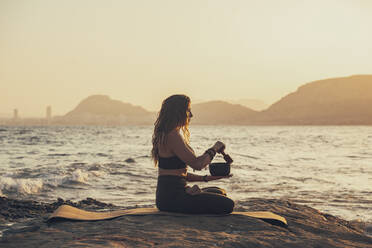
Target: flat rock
[
  {"x": 307, "y": 228},
  {"x": 130, "y": 160}
]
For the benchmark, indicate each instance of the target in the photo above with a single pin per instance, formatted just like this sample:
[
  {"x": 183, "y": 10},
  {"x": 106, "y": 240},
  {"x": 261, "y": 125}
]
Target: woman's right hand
[{"x": 219, "y": 146}]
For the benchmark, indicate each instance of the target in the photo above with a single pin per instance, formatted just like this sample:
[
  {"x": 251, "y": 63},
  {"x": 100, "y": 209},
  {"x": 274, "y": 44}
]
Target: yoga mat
[{"x": 72, "y": 213}]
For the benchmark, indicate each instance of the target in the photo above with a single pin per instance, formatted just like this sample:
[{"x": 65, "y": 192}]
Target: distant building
[
  {"x": 15, "y": 114},
  {"x": 49, "y": 114}
]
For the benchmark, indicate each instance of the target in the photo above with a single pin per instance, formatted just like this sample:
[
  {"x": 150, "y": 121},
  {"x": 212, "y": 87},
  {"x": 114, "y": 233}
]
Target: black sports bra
[{"x": 171, "y": 163}]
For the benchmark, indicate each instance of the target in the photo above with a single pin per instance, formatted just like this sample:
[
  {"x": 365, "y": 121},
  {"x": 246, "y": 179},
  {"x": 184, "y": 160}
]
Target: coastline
[{"x": 23, "y": 222}]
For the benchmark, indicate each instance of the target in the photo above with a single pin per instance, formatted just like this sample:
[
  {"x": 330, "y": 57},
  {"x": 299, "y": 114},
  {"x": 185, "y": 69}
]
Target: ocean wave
[
  {"x": 75, "y": 177},
  {"x": 299, "y": 159},
  {"x": 23, "y": 131},
  {"x": 114, "y": 165},
  {"x": 78, "y": 176},
  {"x": 58, "y": 154},
  {"x": 144, "y": 156},
  {"x": 97, "y": 173},
  {"x": 100, "y": 154},
  {"x": 10, "y": 185},
  {"x": 247, "y": 156}
]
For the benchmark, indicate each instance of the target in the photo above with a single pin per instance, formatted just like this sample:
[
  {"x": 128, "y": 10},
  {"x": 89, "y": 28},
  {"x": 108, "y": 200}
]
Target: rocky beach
[{"x": 24, "y": 223}]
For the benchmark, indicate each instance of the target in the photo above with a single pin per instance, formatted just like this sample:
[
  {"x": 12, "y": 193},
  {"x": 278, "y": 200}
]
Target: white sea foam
[
  {"x": 20, "y": 186},
  {"x": 26, "y": 186},
  {"x": 97, "y": 173},
  {"x": 78, "y": 176}
]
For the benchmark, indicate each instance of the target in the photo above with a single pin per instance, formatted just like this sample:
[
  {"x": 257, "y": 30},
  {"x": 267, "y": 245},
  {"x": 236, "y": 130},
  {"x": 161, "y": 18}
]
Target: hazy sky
[{"x": 59, "y": 52}]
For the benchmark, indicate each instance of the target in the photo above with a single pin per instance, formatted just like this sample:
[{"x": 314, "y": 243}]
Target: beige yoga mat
[{"x": 72, "y": 213}]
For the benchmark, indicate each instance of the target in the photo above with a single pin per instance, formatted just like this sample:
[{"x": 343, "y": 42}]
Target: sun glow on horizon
[{"x": 58, "y": 53}]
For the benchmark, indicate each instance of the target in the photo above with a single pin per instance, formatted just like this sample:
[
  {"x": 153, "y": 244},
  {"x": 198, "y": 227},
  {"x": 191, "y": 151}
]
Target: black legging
[{"x": 172, "y": 197}]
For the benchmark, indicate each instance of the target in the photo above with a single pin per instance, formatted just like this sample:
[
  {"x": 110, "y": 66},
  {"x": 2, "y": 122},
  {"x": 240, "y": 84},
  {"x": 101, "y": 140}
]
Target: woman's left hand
[
  {"x": 211, "y": 178},
  {"x": 194, "y": 190}
]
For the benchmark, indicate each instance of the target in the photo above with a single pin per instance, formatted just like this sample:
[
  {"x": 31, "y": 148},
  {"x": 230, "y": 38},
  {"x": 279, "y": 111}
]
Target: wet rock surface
[
  {"x": 13, "y": 209},
  {"x": 130, "y": 160},
  {"x": 307, "y": 228}
]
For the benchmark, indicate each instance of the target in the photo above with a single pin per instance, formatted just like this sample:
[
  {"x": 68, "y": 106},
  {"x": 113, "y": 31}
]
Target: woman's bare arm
[
  {"x": 194, "y": 178},
  {"x": 176, "y": 144},
  {"x": 197, "y": 178}
]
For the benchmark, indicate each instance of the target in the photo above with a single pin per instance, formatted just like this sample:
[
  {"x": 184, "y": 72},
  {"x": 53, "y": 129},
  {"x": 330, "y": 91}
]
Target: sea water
[{"x": 326, "y": 167}]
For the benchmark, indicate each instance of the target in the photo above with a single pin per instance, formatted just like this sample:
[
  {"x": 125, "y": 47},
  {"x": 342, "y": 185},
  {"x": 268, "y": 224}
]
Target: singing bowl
[{"x": 219, "y": 169}]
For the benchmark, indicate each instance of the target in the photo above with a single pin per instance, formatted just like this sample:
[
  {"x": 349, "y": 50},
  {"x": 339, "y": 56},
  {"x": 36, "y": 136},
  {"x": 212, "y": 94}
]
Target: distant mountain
[
  {"x": 335, "y": 101},
  {"x": 254, "y": 104},
  {"x": 220, "y": 112},
  {"x": 101, "y": 109}
]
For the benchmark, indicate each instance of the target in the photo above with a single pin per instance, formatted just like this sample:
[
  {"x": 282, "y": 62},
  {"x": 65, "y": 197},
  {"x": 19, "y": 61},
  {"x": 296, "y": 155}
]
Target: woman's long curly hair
[{"x": 173, "y": 114}]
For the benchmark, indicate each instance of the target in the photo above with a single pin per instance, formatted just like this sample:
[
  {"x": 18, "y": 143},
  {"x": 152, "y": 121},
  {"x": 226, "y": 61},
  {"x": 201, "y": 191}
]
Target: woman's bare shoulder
[
  {"x": 174, "y": 134},
  {"x": 174, "y": 137}
]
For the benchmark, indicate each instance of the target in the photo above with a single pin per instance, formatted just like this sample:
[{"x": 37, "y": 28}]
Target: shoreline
[{"x": 307, "y": 227}]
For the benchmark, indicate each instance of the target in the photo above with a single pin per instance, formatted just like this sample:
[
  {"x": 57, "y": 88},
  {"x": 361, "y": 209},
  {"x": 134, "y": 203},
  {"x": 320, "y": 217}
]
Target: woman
[{"x": 171, "y": 152}]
